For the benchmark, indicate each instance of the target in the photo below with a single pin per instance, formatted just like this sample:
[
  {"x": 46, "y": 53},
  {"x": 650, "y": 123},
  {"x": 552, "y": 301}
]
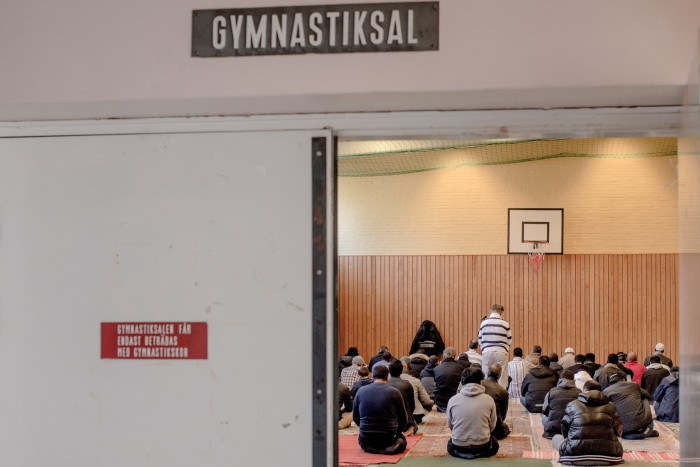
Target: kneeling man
[
  {"x": 472, "y": 416},
  {"x": 379, "y": 411}
]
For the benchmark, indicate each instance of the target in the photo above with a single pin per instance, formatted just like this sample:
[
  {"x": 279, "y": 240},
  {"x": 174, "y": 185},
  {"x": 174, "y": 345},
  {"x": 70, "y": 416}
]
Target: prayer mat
[{"x": 351, "y": 454}]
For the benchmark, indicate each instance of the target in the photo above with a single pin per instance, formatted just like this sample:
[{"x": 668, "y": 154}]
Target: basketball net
[{"x": 535, "y": 254}]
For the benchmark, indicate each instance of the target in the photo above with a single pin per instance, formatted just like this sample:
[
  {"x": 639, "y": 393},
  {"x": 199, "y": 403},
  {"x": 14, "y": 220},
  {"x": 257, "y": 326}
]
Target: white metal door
[{"x": 213, "y": 227}]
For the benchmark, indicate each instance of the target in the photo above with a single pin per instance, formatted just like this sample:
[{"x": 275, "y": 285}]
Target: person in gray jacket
[
  {"x": 427, "y": 376},
  {"x": 472, "y": 416},
  {"x": 555, "y": 401},
  {"x": 632, "y": 405}
]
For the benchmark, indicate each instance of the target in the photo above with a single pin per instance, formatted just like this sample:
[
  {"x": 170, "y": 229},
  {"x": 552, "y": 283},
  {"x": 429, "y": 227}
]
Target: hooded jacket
[
  {"x": 591, "y": 426},
  {"x": 536, "y": 385},
  {"x": 555, "y": 403},
  {"x": 666, "y": 398},
  {"x": 627, "y": 397},
  {"x": 471, "y": 415},
  {"x": 428, "y": 332}
]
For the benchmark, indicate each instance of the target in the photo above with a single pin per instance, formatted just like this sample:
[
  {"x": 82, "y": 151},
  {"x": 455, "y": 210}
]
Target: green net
[{"x": 396, "y": 157}]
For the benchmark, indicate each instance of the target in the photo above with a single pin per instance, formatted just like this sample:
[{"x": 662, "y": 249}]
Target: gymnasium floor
[{"x": 525, "y": 445}]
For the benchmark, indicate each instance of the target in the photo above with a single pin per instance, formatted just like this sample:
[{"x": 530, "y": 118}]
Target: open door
[
  {"x": 689, "y": 243},
  {"x": 234, "y": 230}
]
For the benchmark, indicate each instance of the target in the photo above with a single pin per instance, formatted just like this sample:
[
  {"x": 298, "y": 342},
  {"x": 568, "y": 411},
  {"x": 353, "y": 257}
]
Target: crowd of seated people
[{"x": 389, "y": 398}]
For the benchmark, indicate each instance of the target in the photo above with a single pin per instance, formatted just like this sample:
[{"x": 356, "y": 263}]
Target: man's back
[
  {"x": 653, "y": 376},
  {"x": 535, "y": 387},
  {"x": 406, "y": 389},
  {"x": 379, "y": 408},
  {"x": 471, "y": 415},
  {"x": 664, "y": 359},
  {"x": 627, "y": 397},
  {"x": 604, "y": 373},
  {"x": 498, "y": 394},
  {"x": 517, "y": 369},
  {"x": 447, "y": 376}
]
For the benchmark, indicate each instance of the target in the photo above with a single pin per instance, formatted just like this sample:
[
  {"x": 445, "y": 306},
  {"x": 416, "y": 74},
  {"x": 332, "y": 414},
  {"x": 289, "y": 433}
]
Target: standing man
[{"x": 495, "y": 339}]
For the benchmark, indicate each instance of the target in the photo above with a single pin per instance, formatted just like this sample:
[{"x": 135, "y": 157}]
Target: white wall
[{"x": 76, "y": 59}]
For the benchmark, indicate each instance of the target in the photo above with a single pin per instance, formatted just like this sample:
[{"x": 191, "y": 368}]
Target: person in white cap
[
  {"x": 659, "y": 350},
  {"x": 568, "y": 359}
]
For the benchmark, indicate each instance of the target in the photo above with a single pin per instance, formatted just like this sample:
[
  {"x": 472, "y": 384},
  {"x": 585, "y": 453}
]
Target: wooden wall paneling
[{"x": 599, "y": 303}]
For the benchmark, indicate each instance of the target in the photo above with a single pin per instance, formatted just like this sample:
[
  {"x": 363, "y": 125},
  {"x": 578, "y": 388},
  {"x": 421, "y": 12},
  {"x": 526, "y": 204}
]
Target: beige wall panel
[{"x": 613, "y": 206}]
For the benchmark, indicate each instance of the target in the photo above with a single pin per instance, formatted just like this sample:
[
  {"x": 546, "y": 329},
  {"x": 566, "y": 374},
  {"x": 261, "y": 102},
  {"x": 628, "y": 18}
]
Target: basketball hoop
[{"x": 535, "y": 253}]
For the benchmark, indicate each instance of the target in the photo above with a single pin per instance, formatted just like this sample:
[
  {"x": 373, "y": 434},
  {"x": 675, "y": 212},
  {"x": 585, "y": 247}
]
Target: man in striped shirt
[{"x": 494, "y": 339}]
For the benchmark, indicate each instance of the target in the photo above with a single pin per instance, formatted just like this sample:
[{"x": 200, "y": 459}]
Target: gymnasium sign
[
  {"x": 322, "y": 29},
  {"x": 170, "y": 341}
]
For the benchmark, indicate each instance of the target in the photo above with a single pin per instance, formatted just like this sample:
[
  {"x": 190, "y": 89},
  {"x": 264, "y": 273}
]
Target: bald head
[{"x": 631, "y": 357}]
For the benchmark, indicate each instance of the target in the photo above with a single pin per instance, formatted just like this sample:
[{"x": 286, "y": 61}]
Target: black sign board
[{"x": 368, "y": 27}]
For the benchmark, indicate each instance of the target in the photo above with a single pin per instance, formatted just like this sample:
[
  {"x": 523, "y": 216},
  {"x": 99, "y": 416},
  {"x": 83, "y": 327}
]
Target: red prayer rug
[{"x": 351, "y": 454}]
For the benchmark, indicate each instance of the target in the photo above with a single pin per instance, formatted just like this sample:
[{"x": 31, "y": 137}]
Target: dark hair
[
  {"x": 472, "y": 374},
  {"x": 433, "y": 359},
  {"x": 380, "y": 372},
  {"x": 553, "y": 357},
  {"x": 382, "y": 349},
  {"x": 494, "y": 371},
  {"x": 544, "y": 360},
  {"x": 654, "y": 359},
  {"x": 592, "y": 385},
  {"x": 613, "y": 358},
  {"x": 473, "y": 344},
  {"x": 386, "y": 356},
  {"x": 363, "y": 371},
  {"x": 396, "y": 368},
  {"x": 622, "y": 357},
  {"x": 590, "y": 357},
  {"x": 567, "y": 374},
  {"x": 537, "y": 349},
  {"x": 352, "y": 352},
  {"x": 517, "y": 352},
  {"x": 580, "y": 358}
]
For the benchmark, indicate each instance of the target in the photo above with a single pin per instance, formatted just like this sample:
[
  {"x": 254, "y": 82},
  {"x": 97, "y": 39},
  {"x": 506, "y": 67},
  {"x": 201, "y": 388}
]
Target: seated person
[
  {"x": 500, "y": 397},
  {"x": 602, "y": 376},
  {"x": 472, "y": 416},
  {"x": 666, "y": 398},
  {"x": 579, "y": 364},
  {"x": 555, "y": 403},
  {"x": 418, "y": 361},
  {"x": 345, "y": 406},
  {"x": 422, "y": 402},
  {"x": 363, "y": 381},
  {"x": 379, "y": 412},
  {"x": 406, "y": 389},
  {"x": 590, "y": 428},
  {"x": 447, "y": 376},
  {"x": 591, "y": 363},
  {"x": 536, "y": 385},
  {"x": 427, "y": 376},
  {"x": 632, "y": 405},
  {"x": 554, "y": 364},
  {"x": 654, "y": 374}
]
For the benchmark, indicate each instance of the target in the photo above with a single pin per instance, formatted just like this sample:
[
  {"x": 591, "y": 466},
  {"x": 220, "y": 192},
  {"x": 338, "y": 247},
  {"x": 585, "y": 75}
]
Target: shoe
[{"x": 654, "y": 434}]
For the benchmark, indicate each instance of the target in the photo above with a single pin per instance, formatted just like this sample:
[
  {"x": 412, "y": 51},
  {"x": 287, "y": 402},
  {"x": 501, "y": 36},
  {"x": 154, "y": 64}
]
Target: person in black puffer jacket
[
  {"x": 536, "y": 385},
  {"x": 555, "y": 403},
  {"x": 590, "y": 429}
]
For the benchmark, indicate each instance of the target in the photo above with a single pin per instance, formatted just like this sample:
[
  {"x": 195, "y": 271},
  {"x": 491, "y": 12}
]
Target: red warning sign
[{"x": 172, "y": 341}]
